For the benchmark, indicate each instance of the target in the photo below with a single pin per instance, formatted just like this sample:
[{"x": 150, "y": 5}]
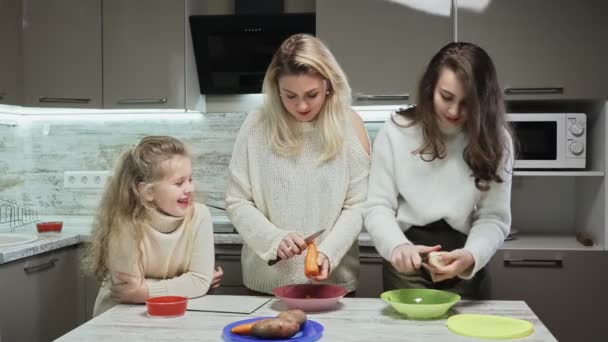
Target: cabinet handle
[
  {"x": 540, "y": 263},
  {"x": 142, "y": 101},
  {"x": 532, "y": 91},
  {"x": 382, "y": 97},
  {"x": 41, "y": 267},
  {"x": 63, "y": 100},
  {"x": 228, "y": 257}
]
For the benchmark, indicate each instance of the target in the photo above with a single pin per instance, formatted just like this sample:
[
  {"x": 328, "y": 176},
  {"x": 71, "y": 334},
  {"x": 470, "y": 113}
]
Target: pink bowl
[{"x": 310, "y": 297}]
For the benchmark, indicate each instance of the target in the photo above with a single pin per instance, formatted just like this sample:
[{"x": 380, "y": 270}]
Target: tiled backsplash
[{"x": 35, "y": 153}]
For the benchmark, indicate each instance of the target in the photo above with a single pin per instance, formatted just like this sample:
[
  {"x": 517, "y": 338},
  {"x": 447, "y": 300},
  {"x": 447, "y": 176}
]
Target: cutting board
[{"x": 230, "y": 304}]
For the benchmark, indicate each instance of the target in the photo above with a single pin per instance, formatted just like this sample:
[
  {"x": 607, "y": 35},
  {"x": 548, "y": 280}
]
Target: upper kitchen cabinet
[
  {"x": 383, "y": 47},
  {"x": 62, "y": 53},
  {"x": 543, "y": 49},
  {"x": 144, "y": 54},
  {"x": 11, "y": 58}
]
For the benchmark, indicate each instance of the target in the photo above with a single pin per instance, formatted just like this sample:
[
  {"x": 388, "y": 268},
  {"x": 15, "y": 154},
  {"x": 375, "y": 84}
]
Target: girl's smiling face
[{"x": 173, "y": 194}]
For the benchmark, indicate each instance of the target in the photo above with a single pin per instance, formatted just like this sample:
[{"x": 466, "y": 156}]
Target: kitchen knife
[{"x": 308, "y": 239}]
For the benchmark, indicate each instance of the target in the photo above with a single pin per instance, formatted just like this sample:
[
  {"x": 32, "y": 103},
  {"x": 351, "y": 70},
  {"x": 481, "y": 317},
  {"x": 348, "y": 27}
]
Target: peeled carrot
[
  {"x": 242, "y": 329},
  {"x": 311, "y": 268}
]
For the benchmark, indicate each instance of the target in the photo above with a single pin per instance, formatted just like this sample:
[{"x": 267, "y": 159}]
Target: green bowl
[{"x": 420, "y": 303}]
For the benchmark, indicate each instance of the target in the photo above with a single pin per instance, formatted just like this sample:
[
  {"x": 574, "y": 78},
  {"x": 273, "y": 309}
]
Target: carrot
[
  {"x": 311, "y": 268},
  {"x": 242, "y": 329}
]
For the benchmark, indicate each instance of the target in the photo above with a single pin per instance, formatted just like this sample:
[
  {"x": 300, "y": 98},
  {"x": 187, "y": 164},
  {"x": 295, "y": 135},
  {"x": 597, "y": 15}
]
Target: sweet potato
[
  {"x": 285, "y": 325},
  {"x": 275, "y": 328},
  {"x": 297, "y": 316},
  {"x": 311, "y": 268}
]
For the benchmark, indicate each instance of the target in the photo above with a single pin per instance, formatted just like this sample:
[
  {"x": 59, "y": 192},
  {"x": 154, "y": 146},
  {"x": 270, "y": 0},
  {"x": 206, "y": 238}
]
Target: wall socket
[{"x": 85, "y": 179}]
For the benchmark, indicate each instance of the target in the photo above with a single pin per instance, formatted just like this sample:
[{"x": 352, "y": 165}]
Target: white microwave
[
  {"x": 543, "y": 140},
  {"x": 549, "y": 140}
]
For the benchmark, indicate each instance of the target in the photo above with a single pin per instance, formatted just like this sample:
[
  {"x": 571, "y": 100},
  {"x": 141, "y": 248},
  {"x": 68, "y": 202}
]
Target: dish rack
[{"x": 13, "y": 214}]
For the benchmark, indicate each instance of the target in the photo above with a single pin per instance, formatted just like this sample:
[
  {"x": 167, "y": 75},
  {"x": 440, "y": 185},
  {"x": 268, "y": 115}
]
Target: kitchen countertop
[
  {"x": 77, "y": 229},
  {"x": 358, "y": 319}
]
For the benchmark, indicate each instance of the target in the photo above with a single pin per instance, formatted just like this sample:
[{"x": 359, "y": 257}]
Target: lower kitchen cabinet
[
  {"x": 370, "y": 273},
  {"x": 41, "y": 296},
  {"x": 567, "y": 290}
]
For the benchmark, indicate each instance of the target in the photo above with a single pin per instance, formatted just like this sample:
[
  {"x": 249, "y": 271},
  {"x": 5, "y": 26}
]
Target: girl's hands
[
  {"x": 131, "y": 290},
  {"x": 292, "y": 244},
  {"x": 217, "y": 277},
  {"x": 406, "y": 257},
  {"x": 323, "y": 262},
  {"x": 455, "y": 263}
]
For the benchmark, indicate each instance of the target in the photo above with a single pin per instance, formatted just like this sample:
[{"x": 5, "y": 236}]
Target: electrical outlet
[{"x": 85, "y": 179}]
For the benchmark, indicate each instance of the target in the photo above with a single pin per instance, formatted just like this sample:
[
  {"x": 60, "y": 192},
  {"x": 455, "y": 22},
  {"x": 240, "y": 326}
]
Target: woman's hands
[
  {"x": 454, "y": 263},
  {"x": 323, "y": 262},
  {"x": 291, "y": 245},
  {"x": 406, "y": 258}
]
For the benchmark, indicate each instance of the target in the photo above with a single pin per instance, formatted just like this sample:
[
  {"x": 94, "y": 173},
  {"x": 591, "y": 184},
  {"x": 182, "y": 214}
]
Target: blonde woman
[
  {"x": 151, "y": 238},
  {"x": 300, "y": 164}
]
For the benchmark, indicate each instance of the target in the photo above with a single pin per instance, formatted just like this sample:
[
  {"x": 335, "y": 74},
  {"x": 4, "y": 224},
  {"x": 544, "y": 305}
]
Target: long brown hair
[
  {"x": 486, "y": 122},
  {"x": 297, "y": 55},
  {"x": 122, "y": 206}
]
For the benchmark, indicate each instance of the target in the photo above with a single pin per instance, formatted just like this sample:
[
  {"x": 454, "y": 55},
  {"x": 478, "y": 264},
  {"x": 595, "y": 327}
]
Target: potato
[
  {"x": 297, "y": 316},
  {"x": 434, "y": 259},
  {"x": 275, "y": 328}
]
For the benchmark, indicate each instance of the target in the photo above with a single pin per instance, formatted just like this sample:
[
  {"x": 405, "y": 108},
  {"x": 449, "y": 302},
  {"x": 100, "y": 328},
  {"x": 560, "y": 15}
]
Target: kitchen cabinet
[
  {"x": 370, "y": 273},
  {"x": 383, "y": 47},
  {"x": 565, "y": 289},
  {"x": 543, "y": 49},
  {"x": 11, "y": 56},
  {"x": 40, "y": 297},
  {"x": 62, "y": 53},
  {"x": 144, "y": 54}
]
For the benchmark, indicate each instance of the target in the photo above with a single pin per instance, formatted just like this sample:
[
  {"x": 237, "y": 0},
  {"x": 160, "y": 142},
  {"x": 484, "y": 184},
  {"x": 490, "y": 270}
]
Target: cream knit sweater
[
  {"x": 178, "y": 258},
  {"x": 269, "y": 196},
  {"x": 406, "y": 191}
]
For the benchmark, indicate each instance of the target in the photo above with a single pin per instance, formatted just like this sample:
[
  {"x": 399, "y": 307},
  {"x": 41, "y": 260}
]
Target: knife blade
[{"x": 309, "y": 239}]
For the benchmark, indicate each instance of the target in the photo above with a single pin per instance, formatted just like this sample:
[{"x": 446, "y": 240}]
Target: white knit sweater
[
  {"x": 269, "y": 195},
  {"x": 406, "y": 191},
  {"x": 177, "y": 256}
]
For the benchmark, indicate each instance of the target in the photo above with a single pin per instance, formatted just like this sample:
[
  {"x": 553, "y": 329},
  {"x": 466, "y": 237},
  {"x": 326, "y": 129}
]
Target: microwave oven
[
  {"x": 549, "y": 140},
  {"x": 543, "y": 140}
]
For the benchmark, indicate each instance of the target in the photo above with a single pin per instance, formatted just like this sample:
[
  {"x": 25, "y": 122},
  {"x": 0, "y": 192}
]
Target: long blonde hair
[
  {"x": 122, "y": 206},
  {"x": 305, "y": 54}
]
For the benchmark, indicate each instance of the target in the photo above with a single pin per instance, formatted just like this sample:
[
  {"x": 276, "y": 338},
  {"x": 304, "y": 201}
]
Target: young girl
[
  {"x": 441, "y": 177},
  {"x": 300, "y": 164},
  {"x": 150, "y": 238}
]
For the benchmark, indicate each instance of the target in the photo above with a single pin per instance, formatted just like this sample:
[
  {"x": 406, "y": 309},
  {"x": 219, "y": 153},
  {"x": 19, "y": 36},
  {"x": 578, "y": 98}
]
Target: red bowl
[
  {"x": 311, "y": 297},
  {"x": 44, "y": 227},
  {"x": 167, "y": 306}
]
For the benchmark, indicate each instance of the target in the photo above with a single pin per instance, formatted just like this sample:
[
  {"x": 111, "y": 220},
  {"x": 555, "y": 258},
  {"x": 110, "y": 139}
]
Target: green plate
[{"x": 489, "y": 326}]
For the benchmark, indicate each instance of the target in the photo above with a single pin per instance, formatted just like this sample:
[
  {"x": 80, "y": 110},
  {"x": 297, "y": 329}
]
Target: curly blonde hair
[{"x": 122, "y": 206}]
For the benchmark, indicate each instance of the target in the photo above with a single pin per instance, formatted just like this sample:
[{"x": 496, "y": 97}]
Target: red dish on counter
[
  {"x": 167, "y": 306},
  {"x": 44, "y": 227},
  {"x": 311, "y": 297}
]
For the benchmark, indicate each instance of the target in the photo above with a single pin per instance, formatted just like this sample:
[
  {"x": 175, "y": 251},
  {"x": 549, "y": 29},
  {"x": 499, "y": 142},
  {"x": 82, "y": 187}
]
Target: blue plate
[{"x": 309, "y": 332}]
